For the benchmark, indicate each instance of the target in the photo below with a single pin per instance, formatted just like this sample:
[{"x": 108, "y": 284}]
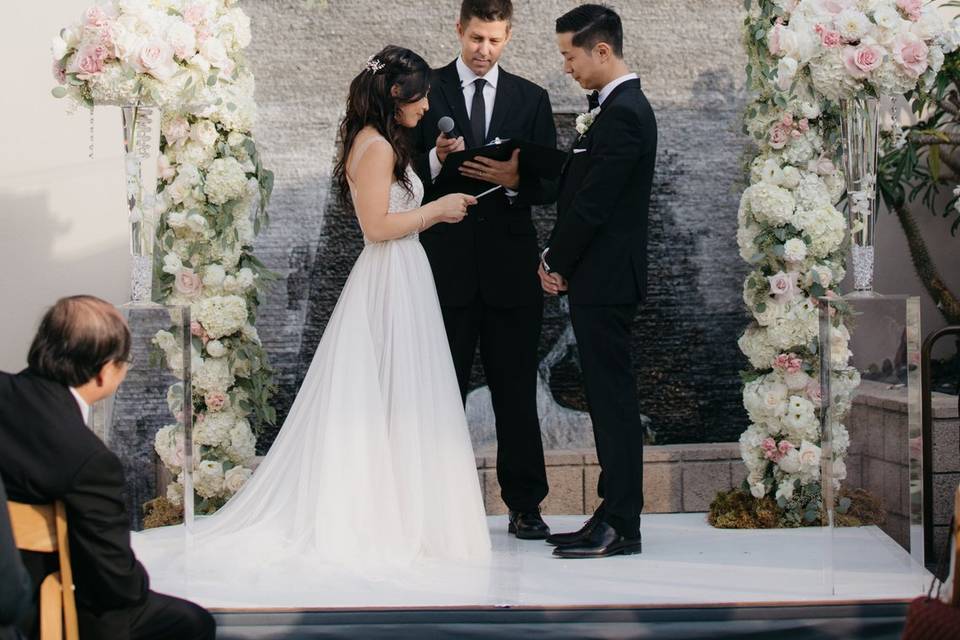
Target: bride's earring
[{"x": 398, "y": 114}]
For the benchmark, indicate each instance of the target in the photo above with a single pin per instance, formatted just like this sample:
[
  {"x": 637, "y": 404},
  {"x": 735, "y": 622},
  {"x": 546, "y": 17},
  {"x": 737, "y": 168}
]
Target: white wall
[{"x": 63, "y": 223}]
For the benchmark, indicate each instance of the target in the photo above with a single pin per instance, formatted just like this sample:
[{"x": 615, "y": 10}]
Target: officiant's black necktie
[
  {"x": 478, "y": 113},
  {"x": 593, "y": 100}
]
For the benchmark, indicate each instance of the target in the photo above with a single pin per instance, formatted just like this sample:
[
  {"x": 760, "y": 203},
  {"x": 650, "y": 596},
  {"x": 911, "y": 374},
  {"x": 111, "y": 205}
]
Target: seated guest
[
  {"x": 14, "y": 579},
  {"x": 79, "y": 356}
]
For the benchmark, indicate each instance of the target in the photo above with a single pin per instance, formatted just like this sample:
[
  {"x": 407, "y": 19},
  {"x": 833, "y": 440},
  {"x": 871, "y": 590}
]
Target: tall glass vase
[
  {"x": 137, "y": 122},
  {"x": 860, "y": 123}
]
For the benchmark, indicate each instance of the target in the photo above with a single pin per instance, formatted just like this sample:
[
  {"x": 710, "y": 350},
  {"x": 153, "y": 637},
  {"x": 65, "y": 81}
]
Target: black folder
[{"x": 535, "y": 160}]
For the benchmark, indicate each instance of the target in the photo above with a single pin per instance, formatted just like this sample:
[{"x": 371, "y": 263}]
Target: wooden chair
[{"x": 43, "y": 528}]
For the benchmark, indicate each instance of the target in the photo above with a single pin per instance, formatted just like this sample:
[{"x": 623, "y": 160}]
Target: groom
[
  {"x": 485, "y": 266},
  {"x": 597, "y": 254}
]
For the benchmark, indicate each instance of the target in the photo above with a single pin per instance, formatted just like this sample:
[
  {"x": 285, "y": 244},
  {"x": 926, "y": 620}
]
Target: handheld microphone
[{"x": 446, "y": 126}]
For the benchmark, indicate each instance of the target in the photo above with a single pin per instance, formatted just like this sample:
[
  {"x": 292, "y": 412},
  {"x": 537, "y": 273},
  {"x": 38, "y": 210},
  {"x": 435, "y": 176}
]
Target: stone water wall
[{"x": 304, "y": 56}]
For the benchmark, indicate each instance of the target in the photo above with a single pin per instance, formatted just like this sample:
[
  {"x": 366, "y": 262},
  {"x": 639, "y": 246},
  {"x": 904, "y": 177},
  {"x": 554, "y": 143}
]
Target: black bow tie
[{"x": 593, "y": 100}]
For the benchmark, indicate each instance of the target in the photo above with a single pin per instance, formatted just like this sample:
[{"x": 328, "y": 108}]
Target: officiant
[{"x": 485, "y": 268}]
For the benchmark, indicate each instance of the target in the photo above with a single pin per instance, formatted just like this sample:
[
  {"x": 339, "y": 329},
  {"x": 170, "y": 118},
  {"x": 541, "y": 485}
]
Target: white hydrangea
[
  {"x": 241, "y": 447},
  {"x": 225, "y": 180},
  {"x": 770, "y": 204},
  {"x": 756, "y": 345},
  {"x": 222, "y": 315},
  {"x": 214, "y": 430},
  {"x": 825, "y": 226},
  {"x": 795, "y": 250},
  {"x": 213, "y": 375}
]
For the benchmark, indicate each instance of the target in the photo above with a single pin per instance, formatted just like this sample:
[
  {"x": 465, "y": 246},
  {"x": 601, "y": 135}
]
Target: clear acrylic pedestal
[{"x": 871, "y": 437}]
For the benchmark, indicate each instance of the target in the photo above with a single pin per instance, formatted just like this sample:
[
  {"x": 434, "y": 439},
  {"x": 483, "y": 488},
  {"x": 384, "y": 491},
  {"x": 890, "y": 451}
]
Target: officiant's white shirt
[{"x": 467, "y": 78}]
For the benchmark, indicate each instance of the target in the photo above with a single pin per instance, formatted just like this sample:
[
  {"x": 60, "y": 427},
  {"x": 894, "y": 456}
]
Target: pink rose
[
  {"x": 783, "y": 286},
  {"x": 779, "y": 136},
  {"x": 860, "y": 61},
  {"x": 910, "y": 52},
  {"x": 197, "y": 329},
  {"x": 828, "y": 37},
  {"x": 95, "y": 16},
  {"x": 911, "y": 8},
  {"x": 194, "y": 14},
  {"x": 788, "y": 362},
  {"x": 821, "y": 166},
  {"x": 770, "y": 451},
  {"x": 814, "y": 393},
  {"x": 87, "y": 62},
  {"x": 785, "y": 446},
  {"x": 787, "y": 119},
  {"x": 774, "y": 40},
  {"x": 165, "y": 170},
  {"x": 59, "y": 72},
  {"x": 176, "y": 130},
  {"x": 215, "y": 400},
  {"x": 188, "y": 283},
  {"x": 804, "y": 125}
]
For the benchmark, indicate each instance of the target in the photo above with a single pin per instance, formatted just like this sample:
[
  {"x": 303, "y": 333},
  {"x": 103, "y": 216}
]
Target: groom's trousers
[
  {"x": 603, "y": 341},
  {"x": 508, "y": 338}
]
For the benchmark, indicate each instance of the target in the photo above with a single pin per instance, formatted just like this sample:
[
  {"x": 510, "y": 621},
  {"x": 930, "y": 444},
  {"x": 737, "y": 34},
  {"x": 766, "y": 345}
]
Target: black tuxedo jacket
[
  {"x": 47, "y": 453},
  {"x": 494, "y": 249},
  {"x": 599, "y": 243}
]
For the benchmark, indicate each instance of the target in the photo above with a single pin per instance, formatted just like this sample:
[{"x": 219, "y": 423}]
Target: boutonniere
[{"x": 585, "y": 121}]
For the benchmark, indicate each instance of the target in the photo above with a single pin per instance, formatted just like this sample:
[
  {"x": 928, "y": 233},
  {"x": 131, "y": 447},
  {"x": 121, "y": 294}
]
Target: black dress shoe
[
  {"x": 528, "y": 525},
  {"x": 575, "y": 537},
  {"x": 603, "y": 542}
]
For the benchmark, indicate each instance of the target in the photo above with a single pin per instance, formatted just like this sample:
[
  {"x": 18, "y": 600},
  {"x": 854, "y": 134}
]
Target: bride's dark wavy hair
[{"x": 371, "y": 103}]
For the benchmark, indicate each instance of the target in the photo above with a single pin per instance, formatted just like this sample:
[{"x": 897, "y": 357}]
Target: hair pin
[{"x": 374, "y": 65}]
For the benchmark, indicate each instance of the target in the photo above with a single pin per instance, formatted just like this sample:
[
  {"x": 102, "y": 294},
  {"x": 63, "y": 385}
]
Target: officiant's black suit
[
  {"x": 485, "y": 270},
  {"x": 47, "y": 453},
  {"x": 599, "y": 244}
]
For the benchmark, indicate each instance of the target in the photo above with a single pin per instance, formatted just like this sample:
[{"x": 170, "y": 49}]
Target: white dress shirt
[
  {"x": 467, "y": 78},
  {"x": 613, "y": 84},
  {"x": 84, "y": 407}
]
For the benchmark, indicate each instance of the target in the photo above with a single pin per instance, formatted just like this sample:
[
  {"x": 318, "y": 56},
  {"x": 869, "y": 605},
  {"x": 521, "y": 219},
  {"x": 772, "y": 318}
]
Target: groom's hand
[
  {"x": 552, "y": 283},
  {"x": 506, "y": 173}
]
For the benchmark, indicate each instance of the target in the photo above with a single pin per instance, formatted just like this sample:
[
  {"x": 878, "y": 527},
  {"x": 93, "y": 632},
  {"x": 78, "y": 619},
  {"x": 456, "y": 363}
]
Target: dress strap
[{"x": 362, "y": 149}]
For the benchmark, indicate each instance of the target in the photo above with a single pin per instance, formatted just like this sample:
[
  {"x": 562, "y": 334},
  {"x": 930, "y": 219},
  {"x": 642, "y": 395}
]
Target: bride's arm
[{"x": 371, "y": 200}]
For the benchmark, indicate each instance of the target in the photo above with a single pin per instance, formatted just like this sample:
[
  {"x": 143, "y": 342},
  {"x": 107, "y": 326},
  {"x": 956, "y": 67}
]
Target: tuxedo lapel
[
  {"x": 620, "y": 88},
  {"x": 502, "y": 105},
  {"x": 453, "y": 94}
]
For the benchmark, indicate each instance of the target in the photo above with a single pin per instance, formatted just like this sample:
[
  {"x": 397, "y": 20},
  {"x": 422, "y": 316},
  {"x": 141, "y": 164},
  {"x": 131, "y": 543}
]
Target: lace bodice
[{"x": 400, "y": 199}]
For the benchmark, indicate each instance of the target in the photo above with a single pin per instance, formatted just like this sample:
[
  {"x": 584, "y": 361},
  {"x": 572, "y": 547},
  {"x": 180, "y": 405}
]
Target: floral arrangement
[
  {"x": 162, "y": 53},
  {"x": 803, "y": 57},
  {"x": 185, "y": 57},
  {"x": 846, "y": 48},
  {"x": 212, "y": 195}
]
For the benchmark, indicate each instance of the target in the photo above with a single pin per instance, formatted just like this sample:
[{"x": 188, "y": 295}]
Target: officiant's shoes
[
  {"x": 575, "y": 537},
  {"x": 602, "y": 542},
  {"x": 527, "y": 525}
]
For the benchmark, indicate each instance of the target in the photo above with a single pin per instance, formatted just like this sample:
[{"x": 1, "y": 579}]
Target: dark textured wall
[{"x": 688, "y": 57}]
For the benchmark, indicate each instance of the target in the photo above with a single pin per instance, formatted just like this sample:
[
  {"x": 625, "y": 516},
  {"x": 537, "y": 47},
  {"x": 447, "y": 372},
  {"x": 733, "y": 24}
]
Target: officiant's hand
[
  {"x": 446, "y": 146},
  {"x": 506, "y": 173},
  {"x": 552, "y": 283}
]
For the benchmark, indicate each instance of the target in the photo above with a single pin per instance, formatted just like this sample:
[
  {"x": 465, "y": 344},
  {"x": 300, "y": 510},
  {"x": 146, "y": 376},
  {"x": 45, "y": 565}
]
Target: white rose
[
  {"x": 204, "y": 132},
  {"x": 156, "y": 59},
  {"x": 785, "y": 489},
  {"x": 809, "y": 457},
  {"x": 172, "y": 264},
  {"x": 236, "y": 139},
  {"x": 214, "y": 52},
  {"x": 929, "y": 26},
  {"x": 58, "y": 47},
  {"x": 197, "y": 223},
  {"x": 165, "y": 340},
  {"x": 177, "y": 219},
  {"x": 852, "y": 25},
  {"x": 758, "y": 490},
  {"x": 245, "y": 278},
  {"x": 234, "y": 479},
  {"x": 887, "y": 17},
  {"x": 786, "y": 72},
  {"x": 774, "y": 398},
  {"x": 796, "y": 381},
  {"x": 791, "y": 177},
  {"x": 183, "y": 39}
]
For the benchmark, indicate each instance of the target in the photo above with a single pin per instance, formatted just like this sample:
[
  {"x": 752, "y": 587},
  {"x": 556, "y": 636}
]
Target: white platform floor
[{"x": 684, "y": 562}]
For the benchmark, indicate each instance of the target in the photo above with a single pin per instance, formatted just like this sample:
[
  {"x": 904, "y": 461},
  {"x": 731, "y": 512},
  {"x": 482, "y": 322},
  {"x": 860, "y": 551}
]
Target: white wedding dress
[{"x": 373, "y": 468}]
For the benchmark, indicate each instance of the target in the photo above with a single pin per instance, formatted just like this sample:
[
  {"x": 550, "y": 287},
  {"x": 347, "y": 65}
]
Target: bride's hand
[{"x": 453, "y": 207}]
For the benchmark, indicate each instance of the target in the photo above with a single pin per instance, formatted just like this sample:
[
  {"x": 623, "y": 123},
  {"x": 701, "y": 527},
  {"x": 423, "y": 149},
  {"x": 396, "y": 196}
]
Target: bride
[{"x": 373, "y": 464}]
